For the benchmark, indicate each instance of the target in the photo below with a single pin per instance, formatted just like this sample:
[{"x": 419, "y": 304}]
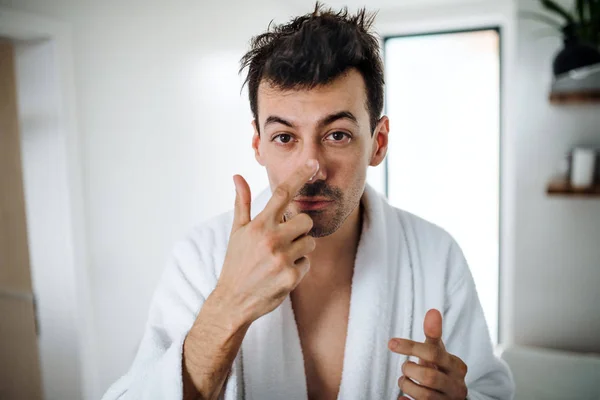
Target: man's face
[{"x": 330, "y": 124}]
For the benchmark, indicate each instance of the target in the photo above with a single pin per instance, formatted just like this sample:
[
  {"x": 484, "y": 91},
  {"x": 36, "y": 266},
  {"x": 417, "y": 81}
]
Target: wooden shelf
[
  {"x": 564, "y": 188},
  {"x": 575, "y": 97}
]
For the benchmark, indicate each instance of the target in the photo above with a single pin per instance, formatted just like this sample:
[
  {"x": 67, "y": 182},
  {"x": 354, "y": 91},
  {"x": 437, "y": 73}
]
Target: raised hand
[
  {"x": 439, "y": 374},
  {"x": 266, "y": 258}
]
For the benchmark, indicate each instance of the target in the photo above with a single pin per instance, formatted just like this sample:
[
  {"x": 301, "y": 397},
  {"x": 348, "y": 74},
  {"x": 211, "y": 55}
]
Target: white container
[{"x": 583, "y": 167}]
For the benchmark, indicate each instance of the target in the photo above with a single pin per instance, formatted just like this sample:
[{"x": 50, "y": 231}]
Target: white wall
[
  {"x": 163, "y": 128},
  {"x": 557, "y": 241}
]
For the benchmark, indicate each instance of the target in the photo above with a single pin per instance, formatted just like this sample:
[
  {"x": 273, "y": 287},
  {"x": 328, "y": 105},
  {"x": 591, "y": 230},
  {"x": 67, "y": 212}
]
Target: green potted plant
[{"x": 580, "y": 29}]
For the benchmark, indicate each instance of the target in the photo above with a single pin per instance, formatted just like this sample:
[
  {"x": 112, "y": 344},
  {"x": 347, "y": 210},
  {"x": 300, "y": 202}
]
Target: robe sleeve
[
  {"x": 156, "y": 372},
  {"x": 466, "y": 335}
]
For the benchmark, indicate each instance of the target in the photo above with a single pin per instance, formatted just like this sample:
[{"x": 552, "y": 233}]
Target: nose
[
  {"x": 313, "y": 151},
  {"x": 314, "y": 177}
]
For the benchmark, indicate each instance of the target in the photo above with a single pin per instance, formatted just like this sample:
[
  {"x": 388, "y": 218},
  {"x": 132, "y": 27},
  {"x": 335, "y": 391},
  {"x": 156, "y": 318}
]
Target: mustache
[{"x": 320, "y": 188}]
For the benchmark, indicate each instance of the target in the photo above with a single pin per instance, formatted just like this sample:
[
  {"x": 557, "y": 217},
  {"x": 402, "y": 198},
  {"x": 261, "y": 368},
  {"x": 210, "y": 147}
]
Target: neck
[{"x": 333, "y": 258}]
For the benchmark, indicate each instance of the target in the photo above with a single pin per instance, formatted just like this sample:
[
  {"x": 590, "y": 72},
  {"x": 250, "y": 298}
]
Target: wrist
[
  {"x": 210, "y": 347},
  {"x": 224, "y": 314}
]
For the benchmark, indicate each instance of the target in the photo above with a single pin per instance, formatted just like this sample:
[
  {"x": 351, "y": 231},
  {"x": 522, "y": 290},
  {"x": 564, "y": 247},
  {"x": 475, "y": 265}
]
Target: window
[{"x": 443, "y": 100}]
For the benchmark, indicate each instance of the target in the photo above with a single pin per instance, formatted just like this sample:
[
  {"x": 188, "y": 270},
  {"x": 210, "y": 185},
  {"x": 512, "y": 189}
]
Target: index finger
[
  {"x": 425, "y": 351},
  {"x": 285, "y": 192}
]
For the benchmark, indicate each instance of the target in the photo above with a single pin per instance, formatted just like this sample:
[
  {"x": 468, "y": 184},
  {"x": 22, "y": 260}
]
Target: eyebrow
[
  {"x": 273, "y": 119},
  {"x": 337, "y": 116},
  {"x": 329, "y": 119}
]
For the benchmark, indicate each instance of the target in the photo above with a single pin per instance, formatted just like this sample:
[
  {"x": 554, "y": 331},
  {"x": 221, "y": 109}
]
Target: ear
[
  {"x": 380, "y": 142},
  {"x": 256, "y": 144}
]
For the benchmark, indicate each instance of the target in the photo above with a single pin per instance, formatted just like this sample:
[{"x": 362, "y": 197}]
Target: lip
[
  {"x": 312, "y": 204},
  {"x": 311, "y": 198}
]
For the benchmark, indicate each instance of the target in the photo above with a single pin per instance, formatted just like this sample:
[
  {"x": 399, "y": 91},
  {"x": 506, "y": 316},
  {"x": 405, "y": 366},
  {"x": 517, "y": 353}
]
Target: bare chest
[{"x": 322, "y": 320}]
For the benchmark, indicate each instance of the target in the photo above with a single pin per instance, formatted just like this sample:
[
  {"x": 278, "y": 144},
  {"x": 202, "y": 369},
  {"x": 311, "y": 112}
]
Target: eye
[
  {"x": 283, "y": 138},
  {"x": 339, "y": 137}
]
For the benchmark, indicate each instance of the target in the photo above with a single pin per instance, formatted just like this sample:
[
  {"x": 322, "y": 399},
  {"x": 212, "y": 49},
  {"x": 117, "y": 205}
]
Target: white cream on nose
[{"x": 315, "y": 174}]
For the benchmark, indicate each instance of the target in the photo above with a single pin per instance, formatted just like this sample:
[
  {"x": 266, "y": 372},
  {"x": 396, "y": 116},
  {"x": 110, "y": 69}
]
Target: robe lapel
[
  {"x": 381, "y": 304},
  {"x": 366, "y": 337},
  {"x": 272, "y": 356}
]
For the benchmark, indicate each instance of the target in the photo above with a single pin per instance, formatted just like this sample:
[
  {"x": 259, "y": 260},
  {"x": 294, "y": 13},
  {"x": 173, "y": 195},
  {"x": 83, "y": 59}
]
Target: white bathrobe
[{"x": 404, "y": 266}]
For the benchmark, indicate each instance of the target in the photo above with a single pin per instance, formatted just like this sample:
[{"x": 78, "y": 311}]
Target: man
[{"x": 324, "y": 290}]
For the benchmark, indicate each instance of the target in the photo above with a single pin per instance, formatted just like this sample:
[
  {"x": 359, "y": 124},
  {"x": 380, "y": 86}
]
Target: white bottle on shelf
[{"x": 583, "y": 167}]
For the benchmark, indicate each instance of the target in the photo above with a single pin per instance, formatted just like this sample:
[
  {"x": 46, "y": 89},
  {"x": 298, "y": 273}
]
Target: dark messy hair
[{"x": 314, "y": 49}]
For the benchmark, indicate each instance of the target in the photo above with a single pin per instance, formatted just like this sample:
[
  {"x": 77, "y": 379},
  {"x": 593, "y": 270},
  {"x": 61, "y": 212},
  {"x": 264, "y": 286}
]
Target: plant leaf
[
  {"x": 580, "y": 10},
  {"x": 551, "y": 5},
  {"x": 594, "y": 7},
  {"x": 580, "y": 6},
  {"x": 587, "y": 20},
  {"x": 591, "y": 30}
]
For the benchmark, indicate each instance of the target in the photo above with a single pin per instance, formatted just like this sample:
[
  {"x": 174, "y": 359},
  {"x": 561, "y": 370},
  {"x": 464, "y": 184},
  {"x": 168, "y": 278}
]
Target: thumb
[
  {"x": 432, "y": 326},
  {"x": 241, "y": 212}
]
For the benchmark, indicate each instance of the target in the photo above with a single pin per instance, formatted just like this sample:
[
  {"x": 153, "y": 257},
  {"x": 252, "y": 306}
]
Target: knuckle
[
  {"x": 280, "y": 260},
  {"x": 289, "y": 280},
  {"x": 429, "y": 395},
  {"x": 281, "y": 192},
  {"x": 464, "y": 368},
  {"x": 301, "y": 267},
  {"x": 273, "y": 269},
  {"x": 404, "y": 367},
  {"x": 311, "y": 243},
  {"x": 271, "y": 242},
  {"x": 430, "y": 377},
  {"x": 437, "y": 354},
  {"x": 460, "y": 365},
  {"x": 255, "y": 227},
  {"x": 307, "y": 263},
  {"x": 401, "y": 383}
]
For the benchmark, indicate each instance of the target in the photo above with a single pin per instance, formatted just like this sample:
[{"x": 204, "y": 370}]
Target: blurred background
[{"x": 122, "y": 123}]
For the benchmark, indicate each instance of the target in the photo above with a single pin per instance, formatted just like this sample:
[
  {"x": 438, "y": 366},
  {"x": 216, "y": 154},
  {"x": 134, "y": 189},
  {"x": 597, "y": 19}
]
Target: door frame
[{"x": 68, "y": 208}]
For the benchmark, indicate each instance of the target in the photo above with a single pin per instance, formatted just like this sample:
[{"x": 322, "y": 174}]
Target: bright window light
[{"x": 443, "y": 100}]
